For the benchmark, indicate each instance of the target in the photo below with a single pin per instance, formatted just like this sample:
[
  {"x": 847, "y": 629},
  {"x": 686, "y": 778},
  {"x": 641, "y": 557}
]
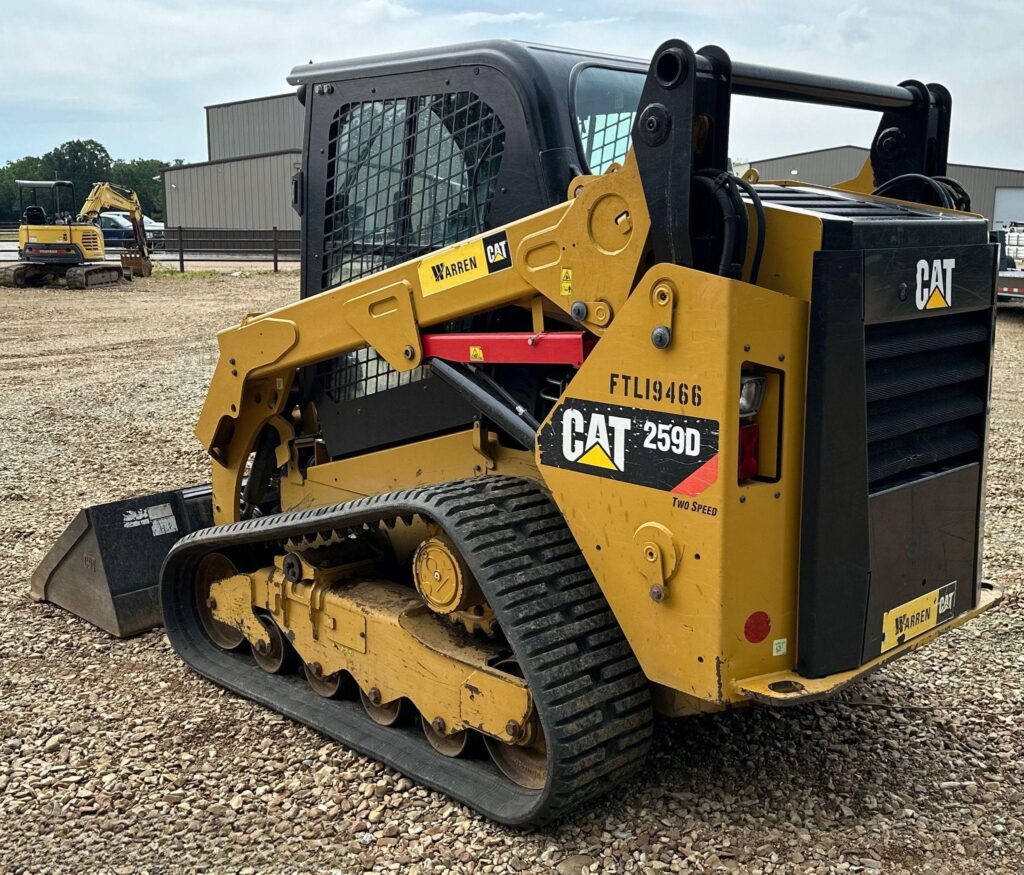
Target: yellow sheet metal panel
[
  {"x": 790, "y": 688},
  {"x": 642, "y": 455}
]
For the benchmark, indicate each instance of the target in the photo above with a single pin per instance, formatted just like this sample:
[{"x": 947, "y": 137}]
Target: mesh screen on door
[{"x": 406, "y": 176}]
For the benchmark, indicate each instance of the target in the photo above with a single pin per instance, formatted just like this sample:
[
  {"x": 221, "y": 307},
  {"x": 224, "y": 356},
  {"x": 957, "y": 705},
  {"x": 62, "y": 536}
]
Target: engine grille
[
  {"x": 926, "y": 390},
  {"x": 90, "y": 241}
]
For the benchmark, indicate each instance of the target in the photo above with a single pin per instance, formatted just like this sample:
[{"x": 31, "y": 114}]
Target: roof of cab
[
  {"x": 42, "y": 183},
  {"x": 512, "y": 55}
]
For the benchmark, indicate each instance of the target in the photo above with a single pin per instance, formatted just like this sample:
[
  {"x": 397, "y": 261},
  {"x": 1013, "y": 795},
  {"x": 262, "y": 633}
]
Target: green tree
[
  {"x": 142, "y": 175},
  {"x": 23, "y": 168},
  {"x": 83, "y": 162}
]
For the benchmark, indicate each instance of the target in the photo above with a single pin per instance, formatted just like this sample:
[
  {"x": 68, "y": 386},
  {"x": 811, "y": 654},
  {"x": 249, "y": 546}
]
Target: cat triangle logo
[
  {"x": 597, "y": 457},
  {"x": 595, "y": 439},
  {"x": 935, "y": 283}
]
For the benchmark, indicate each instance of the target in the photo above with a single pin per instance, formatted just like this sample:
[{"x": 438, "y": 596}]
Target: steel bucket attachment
[
  {"x": 106, "y": 566},
  {"x": 136, "y": 265}
]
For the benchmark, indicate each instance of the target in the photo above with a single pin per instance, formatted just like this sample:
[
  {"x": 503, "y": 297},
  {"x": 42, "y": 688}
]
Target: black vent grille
[
  {"x": 926, "y": 387},
  {"x": 363, "y": 373}
]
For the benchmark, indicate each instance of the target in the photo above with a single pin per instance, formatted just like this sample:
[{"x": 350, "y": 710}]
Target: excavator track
[
  {"x": 589, "y": 693},
  {"x": 22, "y": 274},
  {"x": 90, "y": 276}
]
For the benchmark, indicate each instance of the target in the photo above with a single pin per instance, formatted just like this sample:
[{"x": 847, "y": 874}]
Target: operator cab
[{"x": 61, "y": 201}]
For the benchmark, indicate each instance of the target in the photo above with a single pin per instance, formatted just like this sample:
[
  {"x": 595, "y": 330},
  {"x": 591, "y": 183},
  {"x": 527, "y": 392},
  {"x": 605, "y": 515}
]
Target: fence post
[
  {"x": 275, "y": 248},
  {"x": 181, "y": 249}
]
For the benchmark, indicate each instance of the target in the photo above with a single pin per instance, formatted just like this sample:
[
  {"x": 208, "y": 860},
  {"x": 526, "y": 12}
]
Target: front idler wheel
[{"x": 213, "y": 567}]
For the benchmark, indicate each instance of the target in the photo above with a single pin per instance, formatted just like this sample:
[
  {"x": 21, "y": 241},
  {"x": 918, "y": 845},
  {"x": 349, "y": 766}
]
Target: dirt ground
[{"x": 115, "y": 758}]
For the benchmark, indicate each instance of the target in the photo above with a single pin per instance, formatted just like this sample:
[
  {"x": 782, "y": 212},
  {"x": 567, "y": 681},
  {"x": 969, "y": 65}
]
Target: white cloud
[
  {"x": 476, "y": 18},
  {"x": 799, "y": 33},
  {"x": 194, "y": 52},
  {"x": 855, "y": 25}
]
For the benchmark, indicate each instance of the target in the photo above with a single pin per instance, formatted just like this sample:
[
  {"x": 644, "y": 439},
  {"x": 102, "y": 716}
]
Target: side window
[
  {"x": 605, "y": 102},
  {"x": 404, "y": 177}
]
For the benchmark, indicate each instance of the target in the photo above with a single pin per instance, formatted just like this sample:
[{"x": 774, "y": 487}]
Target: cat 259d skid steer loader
[{"x": 571, "y": 424}]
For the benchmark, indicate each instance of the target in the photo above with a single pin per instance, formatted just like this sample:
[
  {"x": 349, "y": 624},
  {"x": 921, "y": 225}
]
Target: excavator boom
[{"x": 108, "y": 196}]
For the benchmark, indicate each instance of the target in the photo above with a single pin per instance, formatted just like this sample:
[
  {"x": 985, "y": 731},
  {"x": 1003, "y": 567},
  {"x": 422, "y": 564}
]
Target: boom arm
[
  {"x": 106, "y": 196},
  {"x": 600, "y": 233}
]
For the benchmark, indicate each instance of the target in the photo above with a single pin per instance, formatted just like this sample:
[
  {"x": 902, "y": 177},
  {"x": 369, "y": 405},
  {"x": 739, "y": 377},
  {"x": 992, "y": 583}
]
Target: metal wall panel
[
  {"x": 252, "y": 193},
  {"x": 822, "y": 167},
  {"x": 982, "y": 183},
  {"x": 1009, "y": 206},
  {"x": 254, "y": 127},
  {"x": 829, "y": 166}
]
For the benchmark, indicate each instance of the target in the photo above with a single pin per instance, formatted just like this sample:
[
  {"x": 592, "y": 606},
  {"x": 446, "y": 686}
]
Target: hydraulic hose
[
  {"x": 755, "y": 199},
  {"x": 945, "y": 199},
  {"x": 727, "y": 265}
]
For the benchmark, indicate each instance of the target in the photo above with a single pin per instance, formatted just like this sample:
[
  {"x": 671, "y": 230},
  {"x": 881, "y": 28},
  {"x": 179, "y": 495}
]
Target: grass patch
[{"x": 168, "y": 274}]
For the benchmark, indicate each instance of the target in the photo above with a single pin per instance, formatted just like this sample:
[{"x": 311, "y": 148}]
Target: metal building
[
  {"x": 996, "y": 193},
  {"x": 253, "y": 127},
  {"x": 255, "y": 147},
  {"x": 252, "y": 193}
]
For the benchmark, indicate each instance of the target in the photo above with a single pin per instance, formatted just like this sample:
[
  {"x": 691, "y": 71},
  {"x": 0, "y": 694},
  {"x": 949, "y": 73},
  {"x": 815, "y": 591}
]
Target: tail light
[{"x": 751, "y": 395}]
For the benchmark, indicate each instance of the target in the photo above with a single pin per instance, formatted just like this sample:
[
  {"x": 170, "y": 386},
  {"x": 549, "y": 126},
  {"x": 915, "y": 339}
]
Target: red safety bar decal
[{"x": 511, "y": 347}]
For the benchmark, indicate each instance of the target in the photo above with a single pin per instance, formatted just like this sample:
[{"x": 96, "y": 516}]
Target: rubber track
[{"x": 591, "y": 696}]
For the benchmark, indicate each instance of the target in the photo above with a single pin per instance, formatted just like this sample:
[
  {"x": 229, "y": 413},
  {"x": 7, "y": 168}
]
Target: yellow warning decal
[
  {"x": 567, "y": 281},
  {"x": 476, "y": 353},
  {"x": 464, "y": 262},
  {"x": 918, "y": 615}
]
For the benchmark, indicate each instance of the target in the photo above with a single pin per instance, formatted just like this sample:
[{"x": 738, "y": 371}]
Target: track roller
[
  {"x": 330, "y": 686},
  {"x": 382, "y": 713},
  {"x": 277, "y": 657},
  {"x": 453, "y": 745}
]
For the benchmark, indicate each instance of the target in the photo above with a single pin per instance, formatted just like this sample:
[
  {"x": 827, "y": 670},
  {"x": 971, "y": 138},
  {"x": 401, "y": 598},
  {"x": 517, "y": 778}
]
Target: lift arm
[
  {"x": 599, "y": 236},
  {"x": 107, "y": 196}
]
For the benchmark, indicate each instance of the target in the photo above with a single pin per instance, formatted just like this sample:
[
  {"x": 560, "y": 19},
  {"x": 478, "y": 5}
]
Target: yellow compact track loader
[
  {"x": 571, "y": 424},
  {"x": 56, "y": 245}
]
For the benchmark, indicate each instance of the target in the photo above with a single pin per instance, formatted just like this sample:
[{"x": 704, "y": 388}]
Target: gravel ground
[{"x": 113, "y": 757}]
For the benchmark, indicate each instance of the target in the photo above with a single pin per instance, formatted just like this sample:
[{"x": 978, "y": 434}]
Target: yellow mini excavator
[
  {"x": 56, "y": 244},
  {"x": 571, "y": 425}
]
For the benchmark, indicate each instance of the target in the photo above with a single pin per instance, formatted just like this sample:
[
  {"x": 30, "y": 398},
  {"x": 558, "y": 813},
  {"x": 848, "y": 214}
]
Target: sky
[{"x": 135, "y": 74}]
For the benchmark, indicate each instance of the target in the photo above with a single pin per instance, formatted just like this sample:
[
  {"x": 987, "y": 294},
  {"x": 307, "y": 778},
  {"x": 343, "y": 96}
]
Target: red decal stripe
[{"x": 700, "y": 479}]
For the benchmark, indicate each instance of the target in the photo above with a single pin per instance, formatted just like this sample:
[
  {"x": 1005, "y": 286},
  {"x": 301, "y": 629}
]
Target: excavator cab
[{"x": 33, "y": 213}]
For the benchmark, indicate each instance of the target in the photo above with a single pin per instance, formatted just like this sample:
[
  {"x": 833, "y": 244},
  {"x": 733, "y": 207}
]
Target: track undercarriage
[
  {"x": 524, "y": 715},
  {"x": 28, "y": 274}
]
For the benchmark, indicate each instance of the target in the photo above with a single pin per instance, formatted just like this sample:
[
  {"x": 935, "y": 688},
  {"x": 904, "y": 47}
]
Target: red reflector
[
  {"x": 749, "y": 446},
  {"x": 757, "y": 627}
]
